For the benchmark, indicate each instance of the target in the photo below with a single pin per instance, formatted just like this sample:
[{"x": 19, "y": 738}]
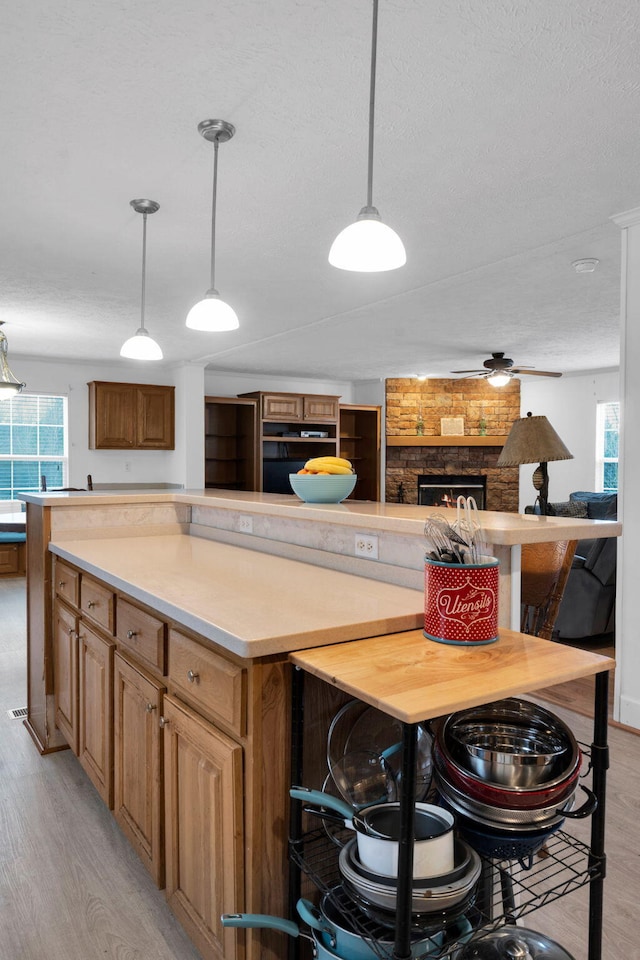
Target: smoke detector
[{"x": 585, "y": 266}]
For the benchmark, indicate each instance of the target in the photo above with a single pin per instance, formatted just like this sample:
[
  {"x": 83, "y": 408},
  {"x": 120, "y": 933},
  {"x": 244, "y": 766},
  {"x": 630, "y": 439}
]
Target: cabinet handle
[
  {"x": 91, "y": 604},
  {"x": 163, "y": 722},
  {"x": 131, "y": 634},
  {"x": 150, "y": 707},
  {"x": 71, "y": 631},
  {"x": 192, "y": 677},
  {"x": 62, "y": 583}
]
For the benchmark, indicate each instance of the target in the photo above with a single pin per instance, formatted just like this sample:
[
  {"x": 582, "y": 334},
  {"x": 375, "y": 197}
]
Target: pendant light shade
[
  {"x": 212, "y": 313},
  {"x": 141, "y": 346},
  {"x": 369, "y": 245},
  {"x": 9, "y": 385}
]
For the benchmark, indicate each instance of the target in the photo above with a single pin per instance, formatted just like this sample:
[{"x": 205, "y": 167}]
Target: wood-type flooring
[{"x": 72, "y": 889}]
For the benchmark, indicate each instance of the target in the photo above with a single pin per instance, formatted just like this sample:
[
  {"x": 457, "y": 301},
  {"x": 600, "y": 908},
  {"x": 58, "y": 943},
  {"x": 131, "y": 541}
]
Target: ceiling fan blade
[
  {"x": 535, "y": 373},
  {"x": 467, "y": 371}
]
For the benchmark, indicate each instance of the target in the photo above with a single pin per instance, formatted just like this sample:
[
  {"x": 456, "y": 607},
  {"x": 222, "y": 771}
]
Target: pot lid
[{"x": 513, "y": 943}]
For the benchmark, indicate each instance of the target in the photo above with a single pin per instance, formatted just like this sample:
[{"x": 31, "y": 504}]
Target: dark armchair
[{"x": 588, "y": 604}]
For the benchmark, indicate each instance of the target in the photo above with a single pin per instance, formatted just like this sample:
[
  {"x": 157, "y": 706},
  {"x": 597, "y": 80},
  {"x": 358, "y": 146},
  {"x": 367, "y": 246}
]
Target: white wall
[{"x": 569, "y": 403}]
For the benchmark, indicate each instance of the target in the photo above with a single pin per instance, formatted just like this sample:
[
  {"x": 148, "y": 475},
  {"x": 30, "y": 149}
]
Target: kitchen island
[{"x": 159, "y": 628}]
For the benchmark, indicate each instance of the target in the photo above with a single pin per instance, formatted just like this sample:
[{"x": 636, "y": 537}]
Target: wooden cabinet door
[
  {"x": 65, "y": 673},
  {"x": 112, "y": 415},
  {"x": 137, "y": 766},
  {"x": 95, "y": 721},
  {"x": 155, "y": 418},
  {"x": 320, "y": 409},
  {"x": 282, "y": 407},
  {"x": 203, "y": 829}
]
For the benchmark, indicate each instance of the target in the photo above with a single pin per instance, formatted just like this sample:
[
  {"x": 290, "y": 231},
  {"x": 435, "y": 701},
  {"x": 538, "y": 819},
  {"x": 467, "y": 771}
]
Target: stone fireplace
[{"x": 417, "y": 449}]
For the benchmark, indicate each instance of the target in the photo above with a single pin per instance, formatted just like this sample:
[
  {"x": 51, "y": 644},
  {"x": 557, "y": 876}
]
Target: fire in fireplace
[{"x": 443, "y": 489}]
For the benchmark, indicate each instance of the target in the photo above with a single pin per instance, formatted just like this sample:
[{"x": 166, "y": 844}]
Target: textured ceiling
[{"x": 506, "y": 138}]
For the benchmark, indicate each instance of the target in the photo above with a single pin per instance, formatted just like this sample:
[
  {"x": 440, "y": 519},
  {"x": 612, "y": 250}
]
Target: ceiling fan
[{"x": 498, "y": 370}]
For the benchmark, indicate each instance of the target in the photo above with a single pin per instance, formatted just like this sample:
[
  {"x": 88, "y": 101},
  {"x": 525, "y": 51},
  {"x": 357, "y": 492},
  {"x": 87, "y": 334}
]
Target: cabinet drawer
[
  {"x": 97, "y": 603},
  {"x": 9, "y": 558},
  {"x": 208, "y": 680},
  {"x": 67, "y": 583},
  {"x": 142, "y": 634}
]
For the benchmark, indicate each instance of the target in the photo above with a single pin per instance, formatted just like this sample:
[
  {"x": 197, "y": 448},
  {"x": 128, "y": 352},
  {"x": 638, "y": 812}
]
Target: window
[
  {"x": 608, "y": 428},
  {"x": 33, "y": 444}
]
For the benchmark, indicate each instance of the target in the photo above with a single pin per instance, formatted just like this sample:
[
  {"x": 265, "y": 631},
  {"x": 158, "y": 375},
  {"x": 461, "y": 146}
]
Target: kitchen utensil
[
  {"x": 267, "y": 922},
  {"x": 516, "y": 713},
  {"x": 359, "y": 727},
  {"x": 499, "y": 815},
  {"x": 374, "y": 726},
  {"x": 332, "y": 925},
  {"x": 512, "y": 943},
  {"x": 378, "y": 829},
  {"x": 461, "y": 601},
  {"x": 443, "y": 540},
  {"x": 508, "y": 753},
  {"x": 500, "y": 844},
  {"x": 467, "y": 525},
  {"x": 427, "y": 895},
  {"x": 363, "y": 777},
  {"x": 511, "y": 798}
]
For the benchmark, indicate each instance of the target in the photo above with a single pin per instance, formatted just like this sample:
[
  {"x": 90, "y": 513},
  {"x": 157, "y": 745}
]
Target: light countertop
[
  {"x": 253, "y": 604},
  {"x": 504, "y": 529}
]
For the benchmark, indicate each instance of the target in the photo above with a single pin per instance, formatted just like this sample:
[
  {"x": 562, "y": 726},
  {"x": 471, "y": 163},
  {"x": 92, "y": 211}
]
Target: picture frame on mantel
[{"x": 452, "y": 426}]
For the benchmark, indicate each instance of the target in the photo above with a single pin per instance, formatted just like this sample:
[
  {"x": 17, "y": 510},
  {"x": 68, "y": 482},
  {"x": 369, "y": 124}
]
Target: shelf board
[
  {"x": 332, "y": 440},
  {"x": 414, "y": 441}
]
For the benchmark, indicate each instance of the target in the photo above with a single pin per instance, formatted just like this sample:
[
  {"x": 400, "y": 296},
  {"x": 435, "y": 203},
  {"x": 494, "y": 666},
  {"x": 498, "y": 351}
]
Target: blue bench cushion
[{"x": 7, "y": 537}]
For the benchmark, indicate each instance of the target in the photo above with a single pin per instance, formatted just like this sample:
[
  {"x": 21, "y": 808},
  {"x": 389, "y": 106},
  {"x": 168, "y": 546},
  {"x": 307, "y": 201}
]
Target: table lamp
[{"x": 533, "y": 440}]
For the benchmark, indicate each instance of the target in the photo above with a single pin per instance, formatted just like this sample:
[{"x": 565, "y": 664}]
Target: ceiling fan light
[
  {"x": 499, "y": 379},
  {"x": 212, "y": 314},
  {"x": 367, "y": 246},
  {"x": 141, "y": 347}
]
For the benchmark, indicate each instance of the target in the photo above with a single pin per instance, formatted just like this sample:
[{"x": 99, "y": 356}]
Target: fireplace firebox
[{"x": 443, "y": 490}]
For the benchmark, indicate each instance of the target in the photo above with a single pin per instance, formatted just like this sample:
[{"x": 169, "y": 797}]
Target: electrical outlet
[
  {"x": 366, "y": 546},
  {"x": 245, "y": 524},
  {"x": 127, "y": 466}
]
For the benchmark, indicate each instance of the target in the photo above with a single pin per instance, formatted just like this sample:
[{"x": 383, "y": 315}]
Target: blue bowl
[{"x": 313, "y": 488}]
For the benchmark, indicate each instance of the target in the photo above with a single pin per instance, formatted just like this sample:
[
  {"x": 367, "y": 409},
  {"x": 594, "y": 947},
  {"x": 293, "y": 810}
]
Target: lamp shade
[
  {"x": 532, "y": 440},
  {"x": 212, "y": 314},
  {"x": 367, "y": 246},
  {"x": 141, "y": 347},
  {"x": 499, "y": 378}
]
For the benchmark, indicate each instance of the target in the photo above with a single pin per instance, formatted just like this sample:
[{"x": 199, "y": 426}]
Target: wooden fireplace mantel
[{"x": 447, "y": 441}]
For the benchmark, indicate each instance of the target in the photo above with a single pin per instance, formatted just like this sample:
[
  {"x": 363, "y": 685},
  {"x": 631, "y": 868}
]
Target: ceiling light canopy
[
  {"x": 212, "y": 313},
  {"x": 141, "y": 346},
  {"x": 499, "y": 379},
  {"x": 369, "y": 245},
  {"x": 9, "y": 385}
]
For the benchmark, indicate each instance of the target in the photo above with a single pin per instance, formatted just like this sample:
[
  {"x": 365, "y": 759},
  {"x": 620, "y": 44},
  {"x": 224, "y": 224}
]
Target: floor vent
[{"x": 18, "y": 714}]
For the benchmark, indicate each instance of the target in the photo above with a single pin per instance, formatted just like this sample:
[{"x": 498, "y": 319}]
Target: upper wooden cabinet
[
  {"x": 131, "y": 416},
  {"x": 291, "y": 407}
]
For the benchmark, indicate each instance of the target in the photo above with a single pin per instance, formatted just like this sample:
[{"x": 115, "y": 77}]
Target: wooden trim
[{"x": 413, "y": 441}]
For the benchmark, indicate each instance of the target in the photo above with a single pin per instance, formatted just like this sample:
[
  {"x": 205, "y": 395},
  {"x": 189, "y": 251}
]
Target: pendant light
[
  {"x": 369, "y": 245},
  {"x": 212, "y": 313},
  {"x": 142, "y": 346},
  {"x": 9, "y": 385}
]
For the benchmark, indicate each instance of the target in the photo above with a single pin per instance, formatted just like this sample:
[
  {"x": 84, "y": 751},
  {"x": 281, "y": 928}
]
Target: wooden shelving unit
[
  {"x": 360, "y": 443},
  {"x": 230, "y": 439}
]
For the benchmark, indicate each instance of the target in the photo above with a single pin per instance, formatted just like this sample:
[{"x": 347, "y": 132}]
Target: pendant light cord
[
  {"x": 372, "y": 100},
  {"x": 213, "y": 213},
  {"x": 144, "y": 267}
]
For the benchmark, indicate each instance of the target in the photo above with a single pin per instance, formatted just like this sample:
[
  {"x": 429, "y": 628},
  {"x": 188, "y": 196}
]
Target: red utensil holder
[{"x": 461, "y": 602}]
